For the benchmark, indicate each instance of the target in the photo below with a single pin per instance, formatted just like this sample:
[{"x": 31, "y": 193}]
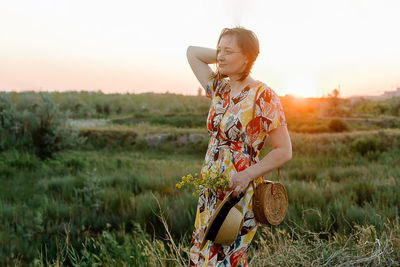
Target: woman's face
[{"x": 230, "y": 59}]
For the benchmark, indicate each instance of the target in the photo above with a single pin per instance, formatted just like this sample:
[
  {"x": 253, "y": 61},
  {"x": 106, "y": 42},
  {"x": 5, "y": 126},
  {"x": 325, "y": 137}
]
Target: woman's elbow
[
  {"x": 288, "y": 154},
  {"x": 189, "y": 50}
]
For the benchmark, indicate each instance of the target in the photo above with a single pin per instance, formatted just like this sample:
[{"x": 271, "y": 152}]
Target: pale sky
[{"x": 307, "y": 47}]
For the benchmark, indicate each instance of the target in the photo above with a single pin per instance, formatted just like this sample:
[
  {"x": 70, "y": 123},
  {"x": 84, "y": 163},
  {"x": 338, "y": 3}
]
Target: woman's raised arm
[{"x": 199, "y": 58}]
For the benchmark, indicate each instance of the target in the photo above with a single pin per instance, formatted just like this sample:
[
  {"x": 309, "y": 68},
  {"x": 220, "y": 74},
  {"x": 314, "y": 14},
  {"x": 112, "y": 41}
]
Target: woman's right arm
[{"x": 199, "y": 58}]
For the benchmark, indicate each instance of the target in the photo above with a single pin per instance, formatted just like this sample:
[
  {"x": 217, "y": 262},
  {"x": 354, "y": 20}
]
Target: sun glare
[{"x": 300, "y": 87}]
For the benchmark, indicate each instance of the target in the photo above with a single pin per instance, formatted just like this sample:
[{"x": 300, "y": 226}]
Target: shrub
[
  {"x": 338, "y": 125},
  {"x": 42, "y": 127},
  {"x": 365, "y": 145},
  {"x": 9, "y": 124},
  {"x": 51, "y": 132},
  {"x": 109, "y": 137}
]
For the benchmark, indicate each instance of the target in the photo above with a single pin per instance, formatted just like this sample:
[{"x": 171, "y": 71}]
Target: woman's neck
[{"x": 238, "y": 85}]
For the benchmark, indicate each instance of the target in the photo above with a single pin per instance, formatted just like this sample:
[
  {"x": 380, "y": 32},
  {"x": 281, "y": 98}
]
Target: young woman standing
[{"x": 233, "y": 132}]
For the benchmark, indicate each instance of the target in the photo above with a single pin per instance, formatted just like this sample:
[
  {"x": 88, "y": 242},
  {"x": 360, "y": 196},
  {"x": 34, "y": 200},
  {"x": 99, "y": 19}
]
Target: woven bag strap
[{"x": 251, "y": 145}]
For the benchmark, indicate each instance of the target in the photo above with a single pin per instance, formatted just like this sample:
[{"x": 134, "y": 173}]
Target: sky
[{"x": 307, "y": 48}]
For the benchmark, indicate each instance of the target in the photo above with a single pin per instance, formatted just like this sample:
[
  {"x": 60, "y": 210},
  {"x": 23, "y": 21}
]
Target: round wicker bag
[{"x": 270, "y": 202}]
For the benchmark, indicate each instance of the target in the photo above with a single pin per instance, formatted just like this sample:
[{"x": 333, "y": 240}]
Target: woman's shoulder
[
  {"x": 265, "y": 92},
  {"x": 269, "y": 107},
  {"x": 215, "y": 85},
  {"x": 218, "y": 84}
]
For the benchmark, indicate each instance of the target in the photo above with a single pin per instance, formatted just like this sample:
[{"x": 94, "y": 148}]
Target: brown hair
[{"x": 248, "y": 44}]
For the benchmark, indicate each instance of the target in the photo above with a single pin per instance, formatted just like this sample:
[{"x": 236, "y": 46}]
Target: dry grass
[{"x": 304, "y": 248}]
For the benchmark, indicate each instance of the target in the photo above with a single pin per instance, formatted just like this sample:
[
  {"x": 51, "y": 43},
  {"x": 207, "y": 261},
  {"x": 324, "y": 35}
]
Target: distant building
[
  {"x": 385, "y": 95},
  {"x": 388, "y": 94}
]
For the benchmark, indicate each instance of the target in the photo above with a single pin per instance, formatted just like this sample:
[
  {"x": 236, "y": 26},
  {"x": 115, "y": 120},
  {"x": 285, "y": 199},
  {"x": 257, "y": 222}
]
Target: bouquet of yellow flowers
[{"x": 211, "y": 180}]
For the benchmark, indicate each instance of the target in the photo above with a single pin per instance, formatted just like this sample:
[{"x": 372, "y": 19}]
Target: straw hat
[{"x": 226, "y": 222}]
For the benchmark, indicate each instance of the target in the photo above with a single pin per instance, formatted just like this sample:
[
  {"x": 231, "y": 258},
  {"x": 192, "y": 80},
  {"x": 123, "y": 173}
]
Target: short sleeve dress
[{"x": 232, "y": 131}]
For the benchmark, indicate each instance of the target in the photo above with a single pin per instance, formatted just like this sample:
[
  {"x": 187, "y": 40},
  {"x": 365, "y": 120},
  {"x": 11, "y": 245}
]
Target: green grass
[{"x": 99, "y": 204}]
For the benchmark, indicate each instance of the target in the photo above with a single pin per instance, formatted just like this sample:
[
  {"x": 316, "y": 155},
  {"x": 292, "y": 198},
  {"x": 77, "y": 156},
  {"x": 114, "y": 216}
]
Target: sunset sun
[{"x": 301, "y": 87}]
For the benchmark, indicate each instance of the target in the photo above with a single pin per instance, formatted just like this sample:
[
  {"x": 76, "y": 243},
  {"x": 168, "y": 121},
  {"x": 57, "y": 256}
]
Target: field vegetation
[{"x": 101, "y": 195}]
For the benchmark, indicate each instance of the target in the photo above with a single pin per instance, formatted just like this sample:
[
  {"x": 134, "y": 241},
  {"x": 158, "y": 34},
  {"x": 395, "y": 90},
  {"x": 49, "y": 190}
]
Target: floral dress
[{"x": 232, "y": 131}]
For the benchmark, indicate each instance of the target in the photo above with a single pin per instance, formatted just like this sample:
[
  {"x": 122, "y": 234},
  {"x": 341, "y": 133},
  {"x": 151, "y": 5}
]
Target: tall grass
[
  {"x": 301, "y": 247},
  {"x": 64, "y": 210},
  {"x": 272, "y": 247}
]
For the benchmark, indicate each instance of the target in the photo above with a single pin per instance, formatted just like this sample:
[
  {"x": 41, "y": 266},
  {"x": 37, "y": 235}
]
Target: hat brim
[{"x": 226, "y": 222}]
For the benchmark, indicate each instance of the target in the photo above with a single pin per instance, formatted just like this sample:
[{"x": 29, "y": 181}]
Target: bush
[
  {"x": 11, "y": 127},
  {"x": 42, "y": 127},
  {"x": 365, "y": 145},
  {"x": 109, "y": 137},
  {"x": 338, "y": 125}
]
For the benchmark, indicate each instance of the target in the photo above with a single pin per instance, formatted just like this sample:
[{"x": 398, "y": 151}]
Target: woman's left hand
[{"x": 238, "y": 183}]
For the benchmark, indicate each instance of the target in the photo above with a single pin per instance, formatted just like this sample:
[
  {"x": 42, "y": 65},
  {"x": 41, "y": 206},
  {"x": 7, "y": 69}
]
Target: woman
[{"x": 232, "y": 131}]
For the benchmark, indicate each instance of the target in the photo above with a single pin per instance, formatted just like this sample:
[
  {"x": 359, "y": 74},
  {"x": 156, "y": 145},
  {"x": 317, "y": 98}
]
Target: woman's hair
[{"x": 248, "y": 44}]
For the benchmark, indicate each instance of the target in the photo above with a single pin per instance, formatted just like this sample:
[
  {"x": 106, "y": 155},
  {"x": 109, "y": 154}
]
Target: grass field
[
  {"x": 333, "y": 191},
  {"x": 118, "y": 205}
]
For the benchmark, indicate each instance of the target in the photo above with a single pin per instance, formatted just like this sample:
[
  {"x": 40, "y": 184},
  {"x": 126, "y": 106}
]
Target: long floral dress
[{"x": 231, "y": 134}]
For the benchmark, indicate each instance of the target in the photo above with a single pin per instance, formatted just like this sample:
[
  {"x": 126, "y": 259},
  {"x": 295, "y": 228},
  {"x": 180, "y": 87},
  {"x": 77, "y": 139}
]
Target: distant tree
[
  {"x": 333, "y": 100},
  {"x": 200, "y": 91},
  {"x": 335, "y": 93}
]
